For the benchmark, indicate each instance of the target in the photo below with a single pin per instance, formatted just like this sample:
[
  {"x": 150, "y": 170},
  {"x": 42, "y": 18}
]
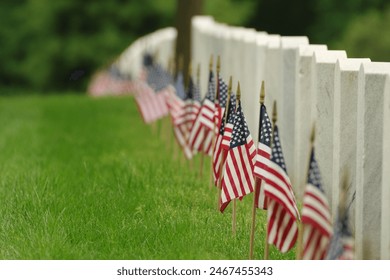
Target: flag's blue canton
[
  {"x": 158, "y": 77},
  {"x": 211, "y": 88},
  {"x": 265, "y": 127},
  {"x": 223, "y": 92},
  {"x": 191, "y": 90},
  {"x": 341, "y": 232},
  {"x": 232, "y": 108},
  {"x": 230, "y": 113},
  {"x": 179, "y": 86},
  {"x": 314, "y": 177},
  {"x": 196, "y": 89},
  {"x": 277, "y": 153},
  {"x": 240, "y": 129}
]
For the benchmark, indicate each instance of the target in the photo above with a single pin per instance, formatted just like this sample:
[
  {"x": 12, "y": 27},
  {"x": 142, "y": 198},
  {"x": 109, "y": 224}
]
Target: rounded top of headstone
[
  {"x": 329, "y": 56},
  {"x": 274, "y": 41},
  {"x": 293, "y": 41},
  {"x": 262, "y": 38},
  {"x": 351, "y": 64},
  {"x": 308, "y": 50},
  {"x": 249, "y": 35},
  {"x": 376, "y": 68},
  {"x": 166, "y": 33},
  {"x": 202, "y": 20}
]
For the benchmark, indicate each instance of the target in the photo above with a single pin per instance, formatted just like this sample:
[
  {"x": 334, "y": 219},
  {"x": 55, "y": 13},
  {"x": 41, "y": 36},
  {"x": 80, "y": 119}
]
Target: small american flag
[
  {"x": 282, "y": 209},
  {"x": 203, "y": 130},
  {"x": 237, "y": 180},
  {"x": 150, "y": 105},
  {"x": 184, "y": 122},
  {"x": 316, "y": 216},
  {"x": 262, "y": 157},
  {"x": 342, "y": 243},
  {"x": 220, "y": 104},
  {"x": 228, "y": 127},
  {"x": 191, "y": 107}
]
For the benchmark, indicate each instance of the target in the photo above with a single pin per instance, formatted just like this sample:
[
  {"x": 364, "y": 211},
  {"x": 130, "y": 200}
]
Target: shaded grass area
[{"x": 84, "y": 178}]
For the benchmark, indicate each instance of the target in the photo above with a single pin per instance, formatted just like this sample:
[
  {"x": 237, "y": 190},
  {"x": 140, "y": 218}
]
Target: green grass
[{"x": 84, "y": 178}]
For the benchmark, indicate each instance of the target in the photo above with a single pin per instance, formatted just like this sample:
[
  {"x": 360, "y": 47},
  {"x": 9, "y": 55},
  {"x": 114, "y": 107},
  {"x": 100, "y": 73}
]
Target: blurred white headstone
[
  {"x": 344, "y": 132},
  {"x": 323, "y": 105},
  {"x": 304, "y": 118},
  {"x": 289, "y": 49},
  {"x": 371, "y": 221}
]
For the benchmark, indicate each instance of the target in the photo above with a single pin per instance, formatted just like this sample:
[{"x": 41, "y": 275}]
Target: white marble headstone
[
  {"x": 385, "y": 235},
  {"x": 289, "y": 49},
  {"x": 273, "y": 71},
  {"x": 344, "y": 132},
  {"x": 373, "y": 81},
  {"x": 325, "y": 63},
  {"x": 303, "y": 116},
  {"x": 249, "y": 82}
]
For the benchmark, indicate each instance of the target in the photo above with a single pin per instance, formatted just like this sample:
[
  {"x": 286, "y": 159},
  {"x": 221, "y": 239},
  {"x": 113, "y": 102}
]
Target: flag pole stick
[
  {"x": 171, "y": 65},
  {"x": 234, "y": 216},
  {"x": 154, "y": 128},
  {"x": 224, "y": 154},
  {"x": 234, "y": 211},
  {"x": 257, "y": 186},
  {"x": 301, "y": 226},
  {"x": 216, "y": 96},
  {"x": 274, "y": 119},
  {"x": 202, "y": 130},
  {"x": 187, "y": 136},
  {"x": 177, "y": 148},
  {"x": 201, "y": 158}
]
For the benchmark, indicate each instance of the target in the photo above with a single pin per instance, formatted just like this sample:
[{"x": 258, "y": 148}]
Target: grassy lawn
[{"x": 84, "y": 178}]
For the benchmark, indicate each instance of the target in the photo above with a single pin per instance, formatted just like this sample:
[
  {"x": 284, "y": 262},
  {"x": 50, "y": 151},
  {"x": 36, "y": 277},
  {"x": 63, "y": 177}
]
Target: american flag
[
  {"x": 342, "y": 243},
  {"x": 192, "y": 105},
  {"x": 158, "y": 78},
  {"x": 316, "y": 216},
  {"x": 218, "y": 116},
  {"x": 184, "y": 121},
  {"x": 150, "y": 105},
  {"x": 228, "y": 127},
  {"x": 110, "y": 82},
  {"x": 237, "y": 180},
  {"x": 203, "y": 131},
  {"x": 282, "y": 209},
  {"x": 262, "y": 157}
]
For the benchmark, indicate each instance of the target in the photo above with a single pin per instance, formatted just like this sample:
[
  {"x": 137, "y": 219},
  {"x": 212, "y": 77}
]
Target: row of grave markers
[{"x": 347, "y": 98}]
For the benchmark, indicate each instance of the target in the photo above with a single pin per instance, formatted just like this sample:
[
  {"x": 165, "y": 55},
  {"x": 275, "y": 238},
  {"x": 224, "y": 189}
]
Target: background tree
[{"x": 58, "y": 45}]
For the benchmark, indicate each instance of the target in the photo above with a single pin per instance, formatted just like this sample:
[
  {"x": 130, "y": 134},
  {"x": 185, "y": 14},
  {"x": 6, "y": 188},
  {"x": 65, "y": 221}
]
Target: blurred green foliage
[
  {"x": 368, "y": 36},
  {"x": 361, "y": 27},
  {"x": 44, "y": 43},
  {"x": 48, "y": 45}
]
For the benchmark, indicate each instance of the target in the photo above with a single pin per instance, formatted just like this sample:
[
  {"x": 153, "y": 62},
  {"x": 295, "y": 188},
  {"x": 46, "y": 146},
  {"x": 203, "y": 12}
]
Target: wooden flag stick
[
  {"x": 223, "y": 154},
  {"x": 214, "y": 126},
  {"x": 274, "y": 119},
  {"x": 234, "y": 212},
  {"x": 202, "y": 130},
  {"x": 257, "y": 186},
  {"x": 154, "y": 128},
  {"x": 187, "y": 136},
  {"x": 301, "y": 226},
  {"x": 169, "y": 132}
]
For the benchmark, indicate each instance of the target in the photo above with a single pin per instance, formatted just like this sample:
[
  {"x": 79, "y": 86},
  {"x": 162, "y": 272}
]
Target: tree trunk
[{"x": 186, "y": 9}]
